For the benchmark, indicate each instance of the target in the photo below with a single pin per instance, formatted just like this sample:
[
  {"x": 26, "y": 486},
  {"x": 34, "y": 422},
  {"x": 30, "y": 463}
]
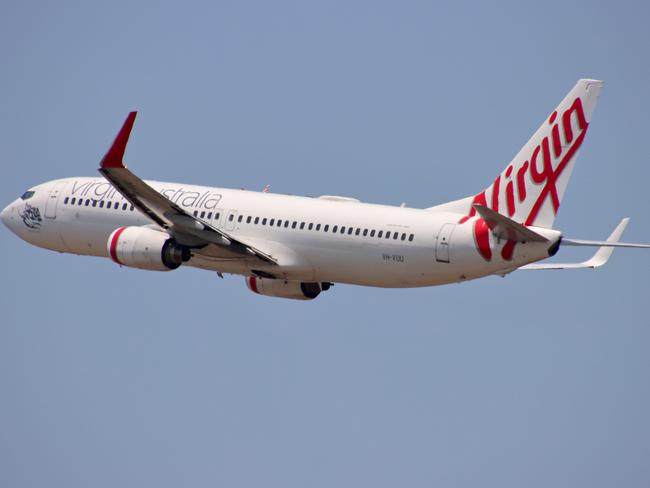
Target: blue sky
[{"x": 118, "y": 377}]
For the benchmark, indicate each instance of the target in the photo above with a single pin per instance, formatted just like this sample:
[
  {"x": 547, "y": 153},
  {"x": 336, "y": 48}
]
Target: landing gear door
[
  {"x": 443, "y": 242},
  {"x": 53, "y": 199}
]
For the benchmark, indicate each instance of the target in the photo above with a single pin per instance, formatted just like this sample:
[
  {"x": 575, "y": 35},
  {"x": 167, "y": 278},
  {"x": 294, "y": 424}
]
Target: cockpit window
[{"x": 27, "y": 195}]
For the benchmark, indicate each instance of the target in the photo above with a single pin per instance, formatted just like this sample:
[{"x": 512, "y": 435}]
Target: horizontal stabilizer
[
  {"x": 580, "y": 242},
  {"x": 602, "y": 254},
  {"x": 504, "y": 228}
]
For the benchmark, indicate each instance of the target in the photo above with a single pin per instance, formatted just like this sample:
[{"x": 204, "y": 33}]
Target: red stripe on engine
[
  {"x": 112, "y": 249},
  {"x": 253, "y": 284}
]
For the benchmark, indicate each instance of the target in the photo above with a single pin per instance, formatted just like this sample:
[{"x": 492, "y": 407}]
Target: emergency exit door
[{"x": 443, "y": 243}]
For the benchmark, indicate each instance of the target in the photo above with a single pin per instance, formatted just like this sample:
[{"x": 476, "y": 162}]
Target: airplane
[{"x": 297, "y": 247}]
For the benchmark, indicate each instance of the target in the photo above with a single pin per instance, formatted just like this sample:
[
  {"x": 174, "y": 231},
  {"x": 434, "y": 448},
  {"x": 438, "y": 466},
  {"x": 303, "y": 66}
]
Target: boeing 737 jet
[{"x": 297, "y": 247}]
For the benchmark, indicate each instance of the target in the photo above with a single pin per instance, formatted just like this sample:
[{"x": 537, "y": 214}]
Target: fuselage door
[
  {"x": 53, "y": 199},
  {"x": 443, "y": 241},
  {"x": 231, "y": 218}
]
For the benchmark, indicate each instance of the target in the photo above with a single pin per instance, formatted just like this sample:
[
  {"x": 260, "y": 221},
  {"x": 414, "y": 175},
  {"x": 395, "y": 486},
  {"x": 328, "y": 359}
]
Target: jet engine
[
  {"x": 146, "y": 248},
  {"x": 296, "y": 290}
]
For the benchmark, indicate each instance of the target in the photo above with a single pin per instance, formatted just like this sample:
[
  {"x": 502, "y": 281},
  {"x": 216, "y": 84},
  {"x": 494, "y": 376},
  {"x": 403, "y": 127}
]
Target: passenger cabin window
[
  {"x": 240, "y": 218},
  {"x": 403, "y": 236},
  {"x": 350, "y": 230},
  {"x": 124, "y": 206},
  {"x": 317, "y": 226},
  {"x": 335, "y": 228},
  {"x": 66, "y": 201},
  {"x": 293, "y": 226},
  {"x": 101, "y": 204},
  {"x": 365, "y": 232},
  {"x": 263, "y": 220},
  {"x": 387, "y": 235},
  {"x": 411, "y": 238},
  {"x": 271, "y": 222},
  {"x": 279, "y": 223},
  {"x": 257, "y": 220},
  {"x": 116, "y": 205},
  {"x": 231, "y": 217},
  {"x": 131, "y": 208},
  {"x": 372, "y": 233},
  {"x": 395, "y": 235},
  {"x": 326, "y": 228},
  {"x": 380, "y": 233},
  {"x": 302, "y": 225},
  {"x": 203, "y": 214},
  {"x": 94, "y": 203},
  {"x": 248, "y": 219},
  {"x": 286, "y": 224}
]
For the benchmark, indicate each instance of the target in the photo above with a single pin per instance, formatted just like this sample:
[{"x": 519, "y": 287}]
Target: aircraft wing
[
  {"x": 186, "y": 228},
  {"x": 602, "y": 255}
]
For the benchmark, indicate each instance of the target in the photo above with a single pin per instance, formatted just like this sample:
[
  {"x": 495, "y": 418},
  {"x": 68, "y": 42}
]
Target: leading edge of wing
[{"x": 158, "y": 207}]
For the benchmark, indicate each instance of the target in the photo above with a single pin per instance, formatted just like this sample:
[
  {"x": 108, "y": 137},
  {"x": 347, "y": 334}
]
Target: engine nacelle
[
  {"x": 296, "y": 290},
  {"x": 146, "y": 248}
]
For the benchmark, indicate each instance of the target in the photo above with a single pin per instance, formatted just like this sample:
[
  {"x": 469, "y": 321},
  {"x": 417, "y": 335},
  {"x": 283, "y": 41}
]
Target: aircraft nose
[{"x": 5, "y": 215}]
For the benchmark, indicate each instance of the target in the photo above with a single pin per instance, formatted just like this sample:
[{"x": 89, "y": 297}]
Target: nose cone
[{"x": 5, "y": 215}]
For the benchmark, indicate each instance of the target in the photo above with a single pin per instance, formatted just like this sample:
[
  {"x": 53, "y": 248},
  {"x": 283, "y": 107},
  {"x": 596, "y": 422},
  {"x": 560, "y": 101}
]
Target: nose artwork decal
[{"x": 31, "y": 217}]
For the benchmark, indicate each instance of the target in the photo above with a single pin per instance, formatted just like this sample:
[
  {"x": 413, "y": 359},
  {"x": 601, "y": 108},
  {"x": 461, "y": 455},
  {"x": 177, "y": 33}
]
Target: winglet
[
  {"x": 113, "y": 158},
  {"x": 604, "y": 253}
]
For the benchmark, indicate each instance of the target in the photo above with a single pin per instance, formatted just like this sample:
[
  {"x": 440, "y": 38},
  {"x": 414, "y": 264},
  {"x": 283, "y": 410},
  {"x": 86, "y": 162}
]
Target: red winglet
[{"x": 113, "y": 158}]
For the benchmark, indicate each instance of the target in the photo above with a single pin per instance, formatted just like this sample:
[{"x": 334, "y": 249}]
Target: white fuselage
[{"x": 325, "y": 239}]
